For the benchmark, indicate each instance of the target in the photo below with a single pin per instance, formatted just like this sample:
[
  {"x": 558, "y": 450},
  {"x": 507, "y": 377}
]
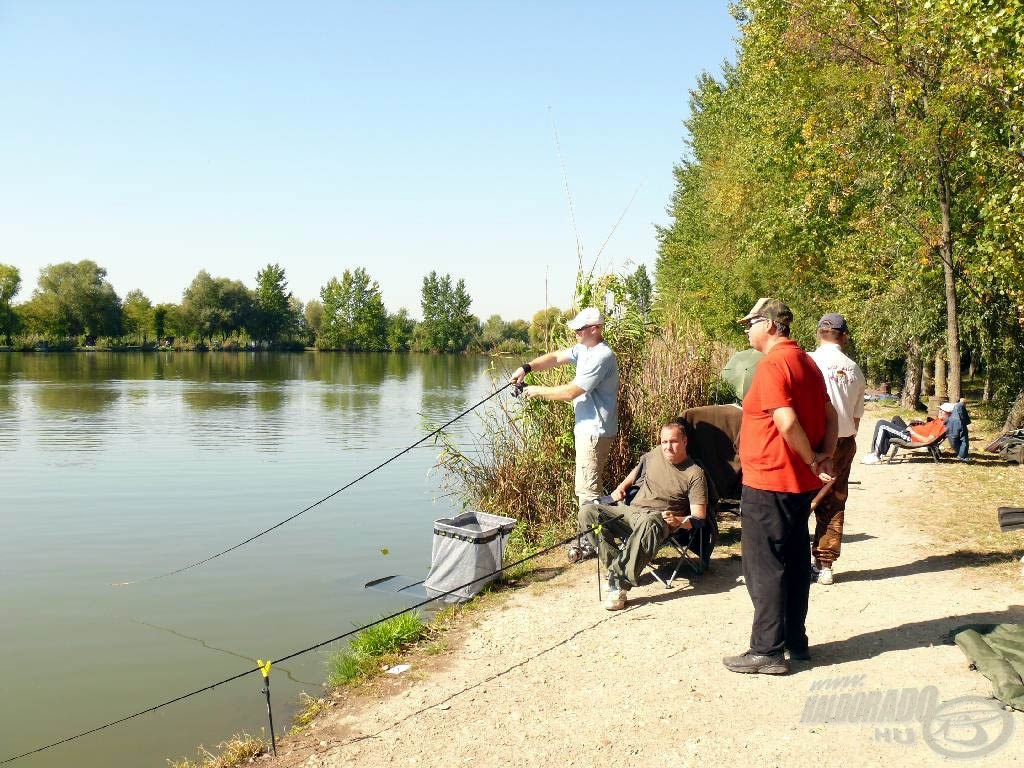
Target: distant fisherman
[{"x": 594, "y": 393}]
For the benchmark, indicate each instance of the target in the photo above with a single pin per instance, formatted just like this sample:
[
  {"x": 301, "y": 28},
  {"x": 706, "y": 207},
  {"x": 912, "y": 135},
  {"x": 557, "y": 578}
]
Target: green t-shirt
[{"x": 664, "y": 485}]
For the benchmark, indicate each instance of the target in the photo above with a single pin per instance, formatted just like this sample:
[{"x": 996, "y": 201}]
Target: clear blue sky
[{"x": 161, "y": 138}]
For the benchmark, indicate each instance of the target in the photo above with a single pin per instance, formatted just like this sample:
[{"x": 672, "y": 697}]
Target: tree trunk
[
  {"x": 912, "y": 380},
  {"x": 972, "y": 364},
  {"x": 1015, "y": 419},
  {"x": 940, "y": 375},
  {"x": 986, "y": 393},
  {"x": 946, "y": 253}
]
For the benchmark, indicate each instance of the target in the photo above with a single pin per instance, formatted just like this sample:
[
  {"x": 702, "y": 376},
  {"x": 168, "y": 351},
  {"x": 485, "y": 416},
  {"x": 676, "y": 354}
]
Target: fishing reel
[{"x": 517, "y": 389}]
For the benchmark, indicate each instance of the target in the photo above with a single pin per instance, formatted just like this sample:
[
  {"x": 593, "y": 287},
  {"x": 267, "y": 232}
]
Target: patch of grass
[
  {"x": 968, "y": 519},
  {"x": 525, "y": 541},
  {"x": 236, "y": 751},
  {"x": 963, "y": 498},
  {"x": 388, "y": 637},
  {"x": 312, "y": 708},
  {"x": 364, "y": 653}
]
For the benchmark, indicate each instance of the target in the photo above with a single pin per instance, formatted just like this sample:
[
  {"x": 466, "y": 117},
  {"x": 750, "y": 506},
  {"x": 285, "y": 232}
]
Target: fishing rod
[{"x": 320, "y": 501}]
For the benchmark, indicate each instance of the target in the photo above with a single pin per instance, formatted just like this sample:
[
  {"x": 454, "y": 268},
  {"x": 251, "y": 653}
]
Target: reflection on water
[
  {"x": 119, "y": 466},
  {"x": 74, "y": 399},
  {"x": 205, "y": 398}
]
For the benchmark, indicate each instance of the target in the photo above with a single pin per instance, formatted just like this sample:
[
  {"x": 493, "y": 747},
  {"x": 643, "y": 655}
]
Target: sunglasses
[
  {"x": 581, "y": 330},
  {"x": 752, "y": 322}
]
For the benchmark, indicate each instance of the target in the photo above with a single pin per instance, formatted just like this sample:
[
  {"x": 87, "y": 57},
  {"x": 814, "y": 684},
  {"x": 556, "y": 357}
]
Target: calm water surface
[{"x": 116, "y": 467}]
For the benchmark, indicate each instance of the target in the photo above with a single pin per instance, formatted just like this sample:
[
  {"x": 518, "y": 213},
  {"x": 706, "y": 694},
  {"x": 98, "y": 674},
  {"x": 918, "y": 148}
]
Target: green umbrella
[{"x": 739, "y": 371}]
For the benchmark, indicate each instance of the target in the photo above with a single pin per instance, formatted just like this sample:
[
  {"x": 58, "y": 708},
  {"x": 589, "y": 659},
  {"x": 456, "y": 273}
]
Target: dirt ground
[{"x": 547, "y": 677}]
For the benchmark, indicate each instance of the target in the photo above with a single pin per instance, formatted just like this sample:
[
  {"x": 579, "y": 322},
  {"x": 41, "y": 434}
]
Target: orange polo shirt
[
  {"x": 932, "y": 429},
  {"x": 786, "y": 377}
]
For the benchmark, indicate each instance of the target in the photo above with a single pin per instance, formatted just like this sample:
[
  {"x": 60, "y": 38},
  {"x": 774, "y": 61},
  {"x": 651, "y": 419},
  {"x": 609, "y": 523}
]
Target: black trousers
[{"x": 775, "y": 567}]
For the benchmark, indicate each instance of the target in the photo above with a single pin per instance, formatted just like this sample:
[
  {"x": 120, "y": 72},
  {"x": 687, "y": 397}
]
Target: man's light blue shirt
[{"x": 597, "y": 372}]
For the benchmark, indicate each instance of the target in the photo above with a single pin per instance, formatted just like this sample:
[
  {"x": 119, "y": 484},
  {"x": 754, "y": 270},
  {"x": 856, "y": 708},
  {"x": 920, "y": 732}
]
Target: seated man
[
  {"x": 887, "y": 431},
  {"x": 672, "y": 494}
]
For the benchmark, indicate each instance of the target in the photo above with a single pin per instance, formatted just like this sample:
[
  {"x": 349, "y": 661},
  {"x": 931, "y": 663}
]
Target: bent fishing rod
[{"x": 516, "y": 389}]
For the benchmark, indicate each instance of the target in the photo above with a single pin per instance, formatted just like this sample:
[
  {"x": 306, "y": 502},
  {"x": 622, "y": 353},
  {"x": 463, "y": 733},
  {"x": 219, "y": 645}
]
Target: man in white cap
[
  {"x": 845, "y": 384},
  {"x": 594, "y": 394}
]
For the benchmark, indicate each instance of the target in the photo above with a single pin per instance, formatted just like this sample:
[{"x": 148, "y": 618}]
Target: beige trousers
[{"x": 591, "y": 456}]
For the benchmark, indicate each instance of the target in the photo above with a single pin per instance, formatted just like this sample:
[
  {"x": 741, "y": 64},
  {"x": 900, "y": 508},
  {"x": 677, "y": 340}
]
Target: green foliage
[
  {"x": 10, "y": 283},
  {"x": 314, "y": 315},
  {"x": 73, "y": 300},
  {"x": 354, "y": 317},
  {"x": 364, "y": 652},
  {"x": 496, "y": 334},
  {"x": 214, "y": 307},
  {"x": 273, "y": 313},
  {"x": 522, "y": 463},
  {"x": 640, "y": 291},
  {"x": 859, "y": 158},
  {"x": 401, "y": 329},
  {"x": 138, "y": 316},
  {"x": 542, "y": 327},
  {"x": 447, "y": 325},
  {"x": 166, "y": 321}
]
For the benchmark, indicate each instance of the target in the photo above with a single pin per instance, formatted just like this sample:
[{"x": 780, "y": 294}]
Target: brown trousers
[{"x": 830, "y": 509}]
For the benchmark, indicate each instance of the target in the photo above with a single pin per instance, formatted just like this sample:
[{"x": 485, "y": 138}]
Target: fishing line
[
  {"x": 616, "y": 226},
  {"x": 321, "y": 501},
  {"x": 568, "y": 194},
  {"x": 314, "y": 647}
]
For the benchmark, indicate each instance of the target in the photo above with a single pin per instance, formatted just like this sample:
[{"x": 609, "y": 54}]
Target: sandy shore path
[{"x": 549, "y": 678}]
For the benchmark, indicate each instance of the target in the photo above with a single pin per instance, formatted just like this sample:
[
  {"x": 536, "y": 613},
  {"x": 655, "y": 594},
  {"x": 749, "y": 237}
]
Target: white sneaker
[
  {"x": 616, "y": 600},
  {"x": 825, "y": 576},
  {"x": 869, "y": 458}
]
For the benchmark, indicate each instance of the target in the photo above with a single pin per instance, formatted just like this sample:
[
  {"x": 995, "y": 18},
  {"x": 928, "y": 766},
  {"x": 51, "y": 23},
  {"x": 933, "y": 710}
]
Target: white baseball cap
[{"x": 588, "y": 316}]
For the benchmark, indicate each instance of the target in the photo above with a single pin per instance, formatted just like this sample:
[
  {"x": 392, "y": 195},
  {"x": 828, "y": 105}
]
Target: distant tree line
[{"x": 75, "y": 305}]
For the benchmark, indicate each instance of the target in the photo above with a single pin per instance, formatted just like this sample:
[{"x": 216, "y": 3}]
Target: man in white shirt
[
  {"x": 594, "y": 394},
  {"x": 844, "y": 382}
]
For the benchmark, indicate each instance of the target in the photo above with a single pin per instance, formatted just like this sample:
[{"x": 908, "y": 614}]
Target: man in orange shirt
[
  {"x": 885, "y": 431},
  {"x": 787, "y": 440}
]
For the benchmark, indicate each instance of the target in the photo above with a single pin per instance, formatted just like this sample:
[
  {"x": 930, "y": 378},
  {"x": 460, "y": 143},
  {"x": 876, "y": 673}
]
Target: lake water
[{"x": 118, "y": 467}]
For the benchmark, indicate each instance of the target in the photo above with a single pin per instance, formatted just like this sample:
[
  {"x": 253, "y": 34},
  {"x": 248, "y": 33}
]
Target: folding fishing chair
[
  {"x": 932, "y": 446},
  {"x": 692, "y": 546}
]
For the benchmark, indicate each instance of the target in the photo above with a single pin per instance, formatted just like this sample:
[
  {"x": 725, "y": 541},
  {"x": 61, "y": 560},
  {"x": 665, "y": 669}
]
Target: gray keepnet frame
[{"x": 467, "y": 553}]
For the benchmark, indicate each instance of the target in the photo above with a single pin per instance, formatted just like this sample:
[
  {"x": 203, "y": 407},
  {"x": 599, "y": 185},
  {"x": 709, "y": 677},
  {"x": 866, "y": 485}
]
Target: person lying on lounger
[{"x": 897, "y": 429}]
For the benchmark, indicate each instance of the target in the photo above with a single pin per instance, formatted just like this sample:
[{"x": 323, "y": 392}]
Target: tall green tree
[
  {"x": 543, "y": 327},
  {"x": 447, "y": 325},
  {"x": 859, "y": 157},
  {"x": 74, "y": 299},
  {"x": 354, "y": 317},
  {"x": 138, "y": 316},
  {"x": 166, "y": 321},
  {"x": 10, "y": 283},
  {"x": 215, "y": 306},
  {"x": 401, "y": 329},
  {"x": 272, "y": 315},
  {"x": 314, "y": 315},
  {"x": 640, "y": 291}
]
